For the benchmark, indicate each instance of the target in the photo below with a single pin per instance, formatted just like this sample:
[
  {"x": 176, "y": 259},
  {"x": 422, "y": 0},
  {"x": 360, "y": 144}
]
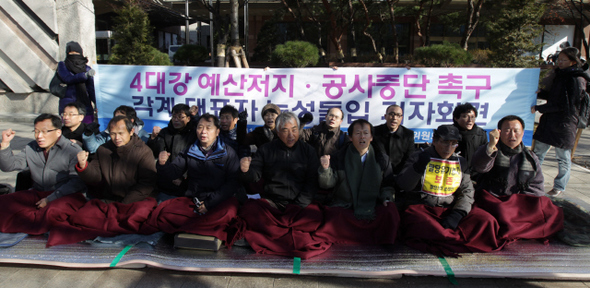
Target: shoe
[{"x": 554, "y": 192}]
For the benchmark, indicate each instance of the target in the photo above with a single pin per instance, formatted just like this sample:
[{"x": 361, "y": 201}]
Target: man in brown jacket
[{"x": 123, "y": 169}]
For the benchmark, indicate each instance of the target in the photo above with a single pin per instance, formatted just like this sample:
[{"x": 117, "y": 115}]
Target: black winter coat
[
  {"x": 398, "y": 145},
  {"x": 290, "y": 174},
  {"x": 558, "y": 124}
]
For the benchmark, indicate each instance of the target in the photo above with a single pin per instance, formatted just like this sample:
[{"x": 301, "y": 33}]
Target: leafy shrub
[
  {"x": 446, "y": 55},
  {"x": 295, "y": 54},
  {"x": 132, "y": 35},
  {"x": 157, "y": 57},
  {"x": 191, "y": 54},
  {"x": 480, "y": 56}
]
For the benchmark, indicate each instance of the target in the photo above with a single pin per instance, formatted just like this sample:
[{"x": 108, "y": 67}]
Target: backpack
[
  {"x": 57, "y": 87},
  {"x": 584, "y": 110}
]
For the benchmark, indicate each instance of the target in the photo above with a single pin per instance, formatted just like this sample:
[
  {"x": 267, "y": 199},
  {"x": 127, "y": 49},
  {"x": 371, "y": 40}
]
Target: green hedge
[
  {"x": 445, "y": 55},
  {"x": 295, "y": 54},
  {"x": 191, "y": 54}
]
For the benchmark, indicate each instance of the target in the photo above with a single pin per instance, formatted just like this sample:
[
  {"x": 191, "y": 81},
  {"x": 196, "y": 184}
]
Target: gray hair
[{"x": 284, "y": 118}]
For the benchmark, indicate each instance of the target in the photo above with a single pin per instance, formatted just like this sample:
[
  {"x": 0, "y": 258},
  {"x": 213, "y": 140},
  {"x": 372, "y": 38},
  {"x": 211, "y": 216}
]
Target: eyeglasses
[
  {"x": 179, "y": 116},
  {"x": 453, "y": 144},
  {"x": 69, "y": 115},
  {"x": 37, "y": 132},
  {"x": 392, "y": 114}
]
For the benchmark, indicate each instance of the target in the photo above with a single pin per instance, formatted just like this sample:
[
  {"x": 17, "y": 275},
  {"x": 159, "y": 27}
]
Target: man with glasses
[
  {"x": 438, "y": 215},
  {"x": 327, "y": 138},
  {"x": 178, "y": 136},
  {"x": 73, "y": 127},
  {"x": 473, "y": 136},
  {"x": 50, "y": 158},
  {"x": 394, "y": 139}
]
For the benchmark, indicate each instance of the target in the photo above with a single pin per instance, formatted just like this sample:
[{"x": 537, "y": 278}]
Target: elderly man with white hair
[{"x": 282, "y": 222}]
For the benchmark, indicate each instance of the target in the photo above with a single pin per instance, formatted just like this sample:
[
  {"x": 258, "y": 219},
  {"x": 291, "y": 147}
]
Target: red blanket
[
  {"x": 19, "y": 214},
  {"x": 341, "y": 226},
  {"x": 289, "y": 233},
  {"x": 97, "y": 218},
  {"x": 176, "y": 215},
  {"x": 522, "y": 216},
  {"x": 421, "y": 229}
]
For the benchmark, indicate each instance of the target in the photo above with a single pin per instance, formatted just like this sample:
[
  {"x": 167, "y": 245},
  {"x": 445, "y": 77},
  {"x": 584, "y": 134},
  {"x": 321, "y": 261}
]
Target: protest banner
[{"x": 427, "y": 95}]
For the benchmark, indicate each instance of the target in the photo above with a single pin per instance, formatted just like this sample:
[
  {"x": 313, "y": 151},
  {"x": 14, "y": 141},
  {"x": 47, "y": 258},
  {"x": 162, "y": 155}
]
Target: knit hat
[
  {"x": 447, "y": 132},
  {"x": 270, "y": 108},
  {"x": 73, "y": 46}
]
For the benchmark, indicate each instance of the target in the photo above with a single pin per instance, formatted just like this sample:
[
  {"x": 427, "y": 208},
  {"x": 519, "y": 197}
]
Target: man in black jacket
[
  {"x": 288, "y": 166},
  {"x": 179, "y": 135},
  {"x": 472, "y": 135},
  {"x": 394, "y": 139},
  {"x": 327, "y": 138},
  {"x": 72, "y": 118}
]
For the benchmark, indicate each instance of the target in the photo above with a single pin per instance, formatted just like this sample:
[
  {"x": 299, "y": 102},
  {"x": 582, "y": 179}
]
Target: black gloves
[
  {"x": 420, "y": 164},
  {"x": 452, "y": 220},
  {"x": 307, "y": 118},
  {"x": 91, "y": 128},
  {"x": 243, "y": 116}
]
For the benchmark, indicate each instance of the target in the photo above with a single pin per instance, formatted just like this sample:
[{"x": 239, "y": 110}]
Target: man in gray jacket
[{"x": 51, "y": 159}]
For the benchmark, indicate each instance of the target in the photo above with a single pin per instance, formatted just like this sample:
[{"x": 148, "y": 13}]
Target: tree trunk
[
  {"x": 392, "y": 4},
  {"x": 235, "y": 29},
  {"x": 367, "y": 24},
  {"x": 473, "y": 13}
]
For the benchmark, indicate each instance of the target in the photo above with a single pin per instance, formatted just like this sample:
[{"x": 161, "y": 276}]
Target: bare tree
[{"x": 473, "y": 12}]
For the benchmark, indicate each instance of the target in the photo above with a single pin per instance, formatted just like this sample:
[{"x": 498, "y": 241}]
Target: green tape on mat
[
  {"x": 448, "y": 270},
  {"x": 296, "y": 265},
  {"x": 121, "y": 254}
]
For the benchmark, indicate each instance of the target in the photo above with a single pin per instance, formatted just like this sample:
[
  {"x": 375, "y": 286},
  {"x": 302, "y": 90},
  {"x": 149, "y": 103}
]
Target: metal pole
[
  {"x": 211, "y": 35},
  {"x": 187, "y": 28}
]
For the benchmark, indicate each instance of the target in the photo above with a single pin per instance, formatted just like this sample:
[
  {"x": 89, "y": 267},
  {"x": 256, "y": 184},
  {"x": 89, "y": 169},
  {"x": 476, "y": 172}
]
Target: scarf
[
  {"x": 77, "y": 64},
  {"x": 364, "y": 180},
  {"x": 499, "y": 173}
]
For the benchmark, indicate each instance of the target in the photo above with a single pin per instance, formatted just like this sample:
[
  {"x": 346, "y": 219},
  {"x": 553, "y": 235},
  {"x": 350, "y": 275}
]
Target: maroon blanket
[
  {"x": 19, "y": 214},
  {"x": 97, "y": 218},
  {"x": 341, "y": 226},
  {"x": 522, "y": 216},
  {"x": 289, "y": 233},
  {"x": 421, "y": 229},
  {"x": 176, "y": 215}
]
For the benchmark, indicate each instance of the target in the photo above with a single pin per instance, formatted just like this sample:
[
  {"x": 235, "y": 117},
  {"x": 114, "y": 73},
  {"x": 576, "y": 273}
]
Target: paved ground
[{"x": 38, "y": 276}]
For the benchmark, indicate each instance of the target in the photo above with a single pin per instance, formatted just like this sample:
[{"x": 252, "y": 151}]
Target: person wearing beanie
[
  {"x": 439, "y": 216},
  {"x": 74, "y": 72},
  {"x": 260, "y": 135}
]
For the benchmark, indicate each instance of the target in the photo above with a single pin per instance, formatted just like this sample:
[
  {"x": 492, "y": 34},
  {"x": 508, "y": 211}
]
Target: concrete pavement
[{"x": 39, "y": 276}]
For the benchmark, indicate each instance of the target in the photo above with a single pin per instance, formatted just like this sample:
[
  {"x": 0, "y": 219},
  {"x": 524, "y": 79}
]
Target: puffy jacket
[{"x": 212, "y": 178}]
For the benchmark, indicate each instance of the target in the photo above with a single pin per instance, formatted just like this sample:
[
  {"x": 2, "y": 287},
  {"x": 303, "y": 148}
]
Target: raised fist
[
  {"x": 194, "y": 110},
  {"x": 82, "y": 159},
  {"x": 494, "y": 138},
  {"x": 163, "y": 157},
  {"x": 243, "y": 116},
  {"x": 245, "y": 164},
  {"x": 156, "y": 130},
  {"x": 7, "y": 136},
  {"x": 325, "y": 161}
]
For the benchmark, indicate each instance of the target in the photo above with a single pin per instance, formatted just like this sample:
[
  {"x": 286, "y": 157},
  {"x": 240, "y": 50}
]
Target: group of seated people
[{"x": 285, "y": 189}]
